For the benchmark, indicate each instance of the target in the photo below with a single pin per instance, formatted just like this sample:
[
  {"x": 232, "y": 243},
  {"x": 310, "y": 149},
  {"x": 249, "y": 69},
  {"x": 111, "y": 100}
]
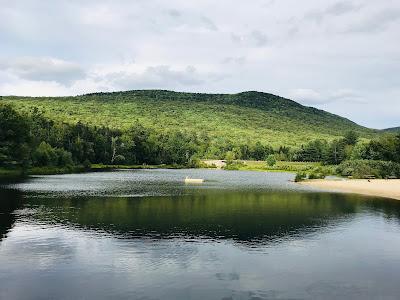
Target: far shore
[{"x": 375, "y": 187}]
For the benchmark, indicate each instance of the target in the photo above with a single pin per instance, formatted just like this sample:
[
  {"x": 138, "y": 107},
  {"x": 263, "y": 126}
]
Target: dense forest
[
  {"x": 242, "y": 118},
  {"x": 30, "y": 139},
  {"x": 180, "y": 129}
]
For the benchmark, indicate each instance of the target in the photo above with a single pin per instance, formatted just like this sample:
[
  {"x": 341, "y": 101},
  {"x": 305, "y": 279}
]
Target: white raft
[{"x": 193, "y": 180}]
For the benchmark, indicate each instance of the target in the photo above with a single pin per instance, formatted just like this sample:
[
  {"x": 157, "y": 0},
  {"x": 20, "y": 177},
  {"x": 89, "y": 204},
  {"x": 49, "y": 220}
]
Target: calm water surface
[{"x": 241, "y": 235}]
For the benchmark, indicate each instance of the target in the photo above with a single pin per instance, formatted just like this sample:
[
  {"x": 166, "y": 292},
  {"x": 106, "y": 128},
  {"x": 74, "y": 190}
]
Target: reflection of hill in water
[
  {"x": 242, "y": 216},
  {"x": 10, "y": 200}
]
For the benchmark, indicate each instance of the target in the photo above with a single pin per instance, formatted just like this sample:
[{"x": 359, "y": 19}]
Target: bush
[
  {"x": 300, "y": 177},
  {"x": 271, "y": 160},
  {"x": 315, "y": 175},
  {"x": 233, "y": 165},
  {"x": 64, "y": 158},
  {"x": 87, "y": 165},
  {"x": 46, "y": 155}
]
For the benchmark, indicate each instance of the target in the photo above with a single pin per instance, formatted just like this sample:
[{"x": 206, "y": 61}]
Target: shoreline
[
  {"x": 257, "y": 166},
  {"x": 375, "y": 187}
]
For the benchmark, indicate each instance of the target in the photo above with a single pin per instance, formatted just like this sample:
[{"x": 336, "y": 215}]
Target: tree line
[
  {"x": 384, "y": 148},
  {"x": 32, "y": 140}
]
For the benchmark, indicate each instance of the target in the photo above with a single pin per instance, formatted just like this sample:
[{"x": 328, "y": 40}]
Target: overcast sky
[{"x": 341, "y": 56}]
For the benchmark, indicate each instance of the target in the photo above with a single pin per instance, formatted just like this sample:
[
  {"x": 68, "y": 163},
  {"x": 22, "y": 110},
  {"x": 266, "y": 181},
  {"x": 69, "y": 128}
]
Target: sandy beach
[{"x": 376, "y": 187}]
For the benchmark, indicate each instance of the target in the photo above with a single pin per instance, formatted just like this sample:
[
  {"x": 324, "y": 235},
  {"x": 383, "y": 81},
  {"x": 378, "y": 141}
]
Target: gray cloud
[
  {"x": 208, "y": 23},
  {"x": 174, "y": 13},
  {"x": 337, "y": 9},
  {"x": 260, "y": 38},
  {"x": 191, "y": 20},
  {"x": 341, "y": 8},
  {"x": 43, "y": 69},
  {"x": 160, "y": 77},
  {"x": 376, "y": 22}
]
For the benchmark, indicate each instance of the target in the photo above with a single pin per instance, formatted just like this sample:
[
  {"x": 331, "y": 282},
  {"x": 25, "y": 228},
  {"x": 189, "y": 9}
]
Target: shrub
[
  {"x": 300, "y": 177},
  {"x": 45, "y": 155},
  {"x": 315, "y": 175},
  {"x": 233, "y": 165},
  {"x": 271, "y": 160},
  {"x": 87, "y": 165}
]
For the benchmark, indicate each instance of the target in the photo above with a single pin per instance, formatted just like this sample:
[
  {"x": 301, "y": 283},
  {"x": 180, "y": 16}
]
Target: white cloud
[
  {"x": 254, "y": 38},
  {"x": 312, "y": 97},
  {"x": 376, "y": 22},
  {"x": 339, "y": 55},
  {"x": 34, "y": 88},
  {"x": 43, "y": 69},
  {"x": 160, "y": 77},
  {"x": 306, "y": 96}
]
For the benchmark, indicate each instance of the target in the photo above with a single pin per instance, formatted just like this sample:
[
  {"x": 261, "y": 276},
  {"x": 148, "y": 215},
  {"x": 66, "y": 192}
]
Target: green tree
[
  {"x": 44, "y": 155},
  {"x": 271, "y": 160},
  {"x": 336, "y": 152},
  {"x": 351, "y": 137},
  {"x": 14, "y": 137}
]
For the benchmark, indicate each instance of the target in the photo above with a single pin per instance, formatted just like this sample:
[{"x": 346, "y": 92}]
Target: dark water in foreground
[{"x": 147, "y": 235}]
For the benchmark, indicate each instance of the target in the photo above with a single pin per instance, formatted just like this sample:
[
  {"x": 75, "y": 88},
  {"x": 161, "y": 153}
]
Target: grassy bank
[
  {"x": 101, "y": 167},
  {"x": 262, "y": 166},
  {"x": 279, "y": 166},
  {"x": 56, "y": 170},
  {"x": 6, "y": 174}
]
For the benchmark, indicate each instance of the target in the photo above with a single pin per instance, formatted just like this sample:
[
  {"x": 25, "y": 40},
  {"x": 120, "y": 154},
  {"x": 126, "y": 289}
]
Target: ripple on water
[{"x": 146, "y": 235}]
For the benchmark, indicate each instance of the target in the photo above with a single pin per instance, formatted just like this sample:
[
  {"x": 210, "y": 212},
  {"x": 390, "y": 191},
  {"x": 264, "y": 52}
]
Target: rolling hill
[
  {"x": 392, "y": 130},
  {"x": 247, "y": 116}
]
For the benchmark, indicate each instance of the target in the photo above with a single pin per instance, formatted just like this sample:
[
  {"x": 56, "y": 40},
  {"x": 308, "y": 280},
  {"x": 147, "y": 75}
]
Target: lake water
[{"x": 241, "y": 235}]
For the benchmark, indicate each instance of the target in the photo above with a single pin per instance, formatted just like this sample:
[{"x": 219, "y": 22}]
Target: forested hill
[
  {"x": 242, "y": 117},
  {"x": 394, "y": 129}
]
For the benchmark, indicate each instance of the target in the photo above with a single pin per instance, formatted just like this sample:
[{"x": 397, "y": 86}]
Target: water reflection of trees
[
  {"x": 243, "y": 216},
  {"x": 10, "y": 200}
]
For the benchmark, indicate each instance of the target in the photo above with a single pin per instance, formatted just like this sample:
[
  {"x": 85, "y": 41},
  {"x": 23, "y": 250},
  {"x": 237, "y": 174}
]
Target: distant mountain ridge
[
  {"x": 245, "y": 116},
  {"x": 393, "y": 129}
]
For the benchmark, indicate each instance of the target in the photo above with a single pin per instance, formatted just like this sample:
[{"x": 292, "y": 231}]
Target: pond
[{"x": 145, "y": 234}]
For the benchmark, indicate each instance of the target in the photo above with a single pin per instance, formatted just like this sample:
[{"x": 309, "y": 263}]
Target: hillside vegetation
[
  {"x": 69, "y": 134},
  {"x": 392, "y": 130},
  {"x": 240, "y": 118}
]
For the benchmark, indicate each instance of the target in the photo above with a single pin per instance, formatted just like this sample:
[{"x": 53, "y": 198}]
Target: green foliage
[
  {"x": 316, "y": 175},
  {"x": 386, "y": 147},
  {"x": 271, "y": 160},
  {"x": 178, "y": 129},
  {"x": 392, "y": 130},
  {"x": 46, "y": 155},
  {"x": 244, "y": 118},
  {"x": 351, "y": 137},
  {"x": 362, "y": 168},
  {"x": 233, "y": 165},
  {"x": 230, "y": 156},
  {"x": 313, "y": 151},
  {"x": 14, "y": 137},
  {"x": 301, "y": 176}
]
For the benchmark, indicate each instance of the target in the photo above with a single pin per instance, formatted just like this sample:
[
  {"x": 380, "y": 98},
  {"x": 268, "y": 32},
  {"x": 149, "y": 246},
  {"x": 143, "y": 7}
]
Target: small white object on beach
[{"x": 193, "y": 180}]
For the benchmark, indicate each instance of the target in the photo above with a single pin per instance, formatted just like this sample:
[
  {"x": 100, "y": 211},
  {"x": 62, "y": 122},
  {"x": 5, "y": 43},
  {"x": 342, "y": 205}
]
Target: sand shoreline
[{"x": 376, "y": 187}]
